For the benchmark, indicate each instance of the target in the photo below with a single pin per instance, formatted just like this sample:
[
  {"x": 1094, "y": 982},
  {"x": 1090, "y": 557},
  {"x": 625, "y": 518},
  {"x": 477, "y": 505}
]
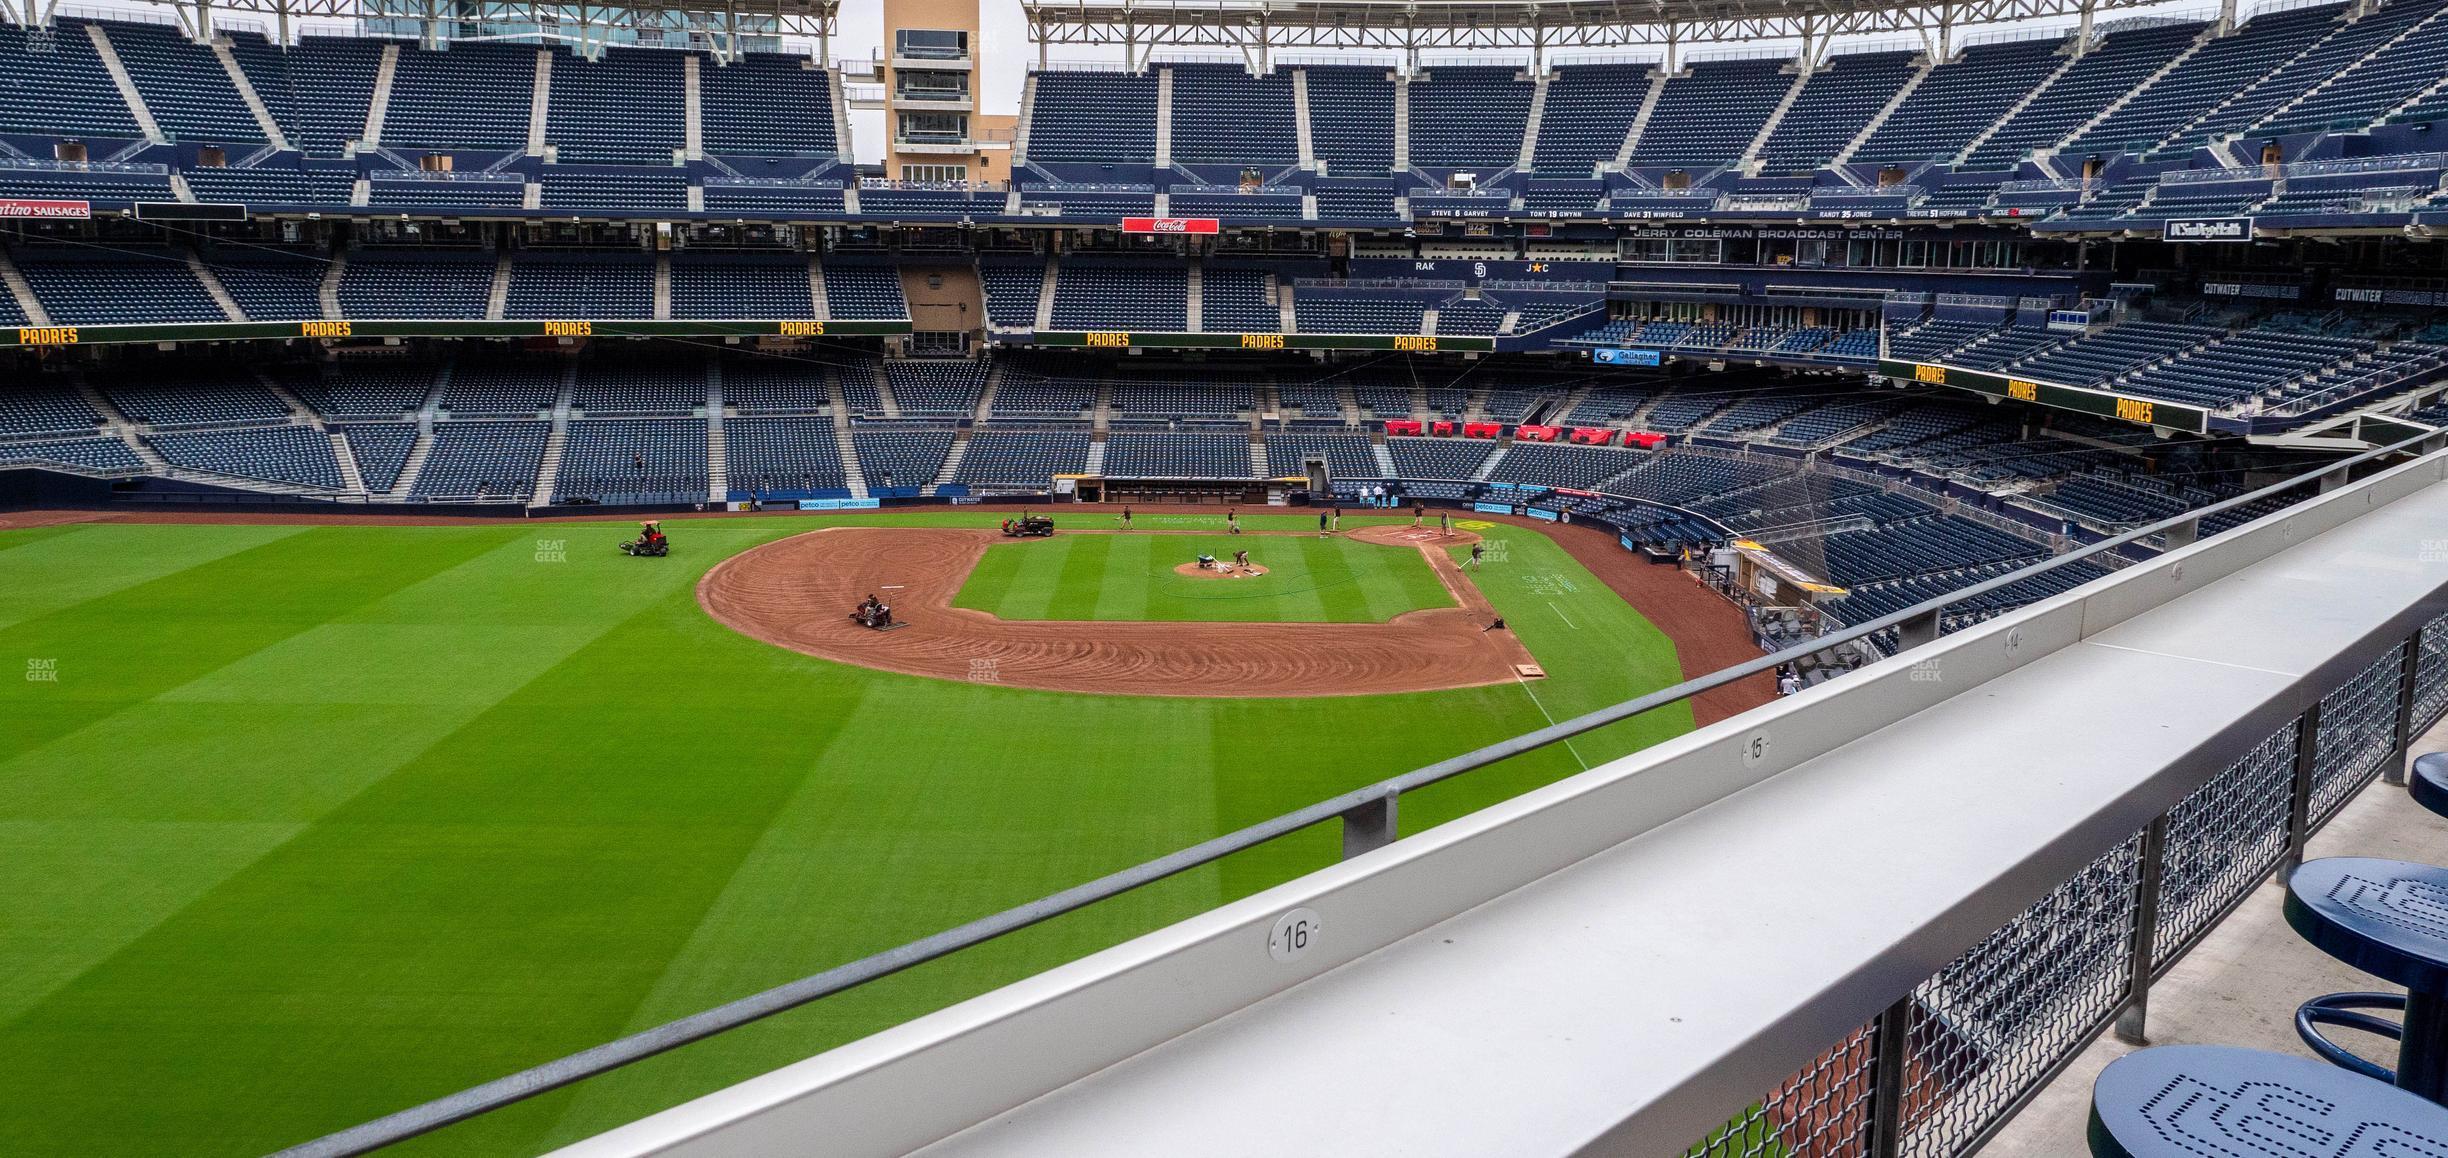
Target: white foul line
[
  {"x": 1568, "y": 745},
  {"x": 1560, "y": 615}
]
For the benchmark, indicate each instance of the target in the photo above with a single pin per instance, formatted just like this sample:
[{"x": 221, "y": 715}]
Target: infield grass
[
  {"x": 1309, "y": 579},
  {"x": 303, "y": 825}
]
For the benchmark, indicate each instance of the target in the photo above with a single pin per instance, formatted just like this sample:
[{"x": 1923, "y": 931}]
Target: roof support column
[{"x": 2082, "y": 40}]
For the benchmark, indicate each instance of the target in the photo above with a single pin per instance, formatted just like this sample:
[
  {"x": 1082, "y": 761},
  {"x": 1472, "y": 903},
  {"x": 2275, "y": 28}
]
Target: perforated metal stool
[
  {"x": 2193, "y": 1101},
  {"x": 2389, "y": 919},
  {"x": 2429, "y": 784}
]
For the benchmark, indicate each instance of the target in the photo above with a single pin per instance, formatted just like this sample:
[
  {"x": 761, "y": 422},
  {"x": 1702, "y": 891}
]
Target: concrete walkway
[{"x": 2241, "y": 985}]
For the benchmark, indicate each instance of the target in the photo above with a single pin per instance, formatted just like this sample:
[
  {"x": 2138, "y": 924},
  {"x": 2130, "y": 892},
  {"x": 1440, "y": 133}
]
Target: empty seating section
[
  {"x": 587, "y": 284},
  {"x": 1589, "y": 109},
  {"x": 1012, "y": 290},
  {"x": 1561, "y": 465},
  {"x": 1021, "y": 457},
  {"x": 2390, "y": 77},
  {"x": 1438, "y": 458},
  {"x": 608, "y": 190},
  {"x": 476, "y": 95},
  {"x": 56, "y": 85},
  {"x": 1147, "y": 298},
  {"x": 1575, "y": 198},
  {"x": 183, "y": 85},
  {"x": 1171, "y": 454},
  {"x": 416, "y": 284},
  {"x": 740, "y": 285},
  {"x": 902, "y": 458},
  {"x": 2107, "y": 502},
  {"x": 1833, "y": 106},
  {"x": 633, "y": 460},
  {"x": 1351, "y": 120},
  {"x": 327, "y": 187},
  {"x": 864, "y": 293},
  {"x": 283, "y": 454},
  {"x": 1759, "y": 411},
  {"x": 2099, "y": 356},
  {"x": 141, "y": 184},
  {"x": 1028, "y": 394},
  {"x": 1708, "y": 116},
  {"x": 1258, "y": 203},
  {"x": 1091, "y": 201},
  {"x": 775, "y": 384},
  {"x": 936, "y": 386},
  {"x": 1682, "y": 479},
  {"x": 799, "y": 198},
  {"x": 1183, "y": 393},
  {"x": 195, "y": 400},
  {"x": 2313, "y": 65},
  {"x": 2110, "y": 70},
  {"x": 621, "y": 387},
  {"x": 1469, "y": 116},
  {"x": 505, "y": 388},
  {"x": 388, "y": 189},
  {"x": 1896, "y": 550},
  {"x": 271, "y": 284},
  {"x": 2000, "y": 347},
  {"x": 108, "y": 455},
  {"x": 765, "y": 455},
  {"x": 625, "y": 109},
  {"x": 492, "y": 460},
  {"x": 1355, "y": 200},
  {"x": 1958, "y": 99},
  {"x": 319, "y": 88},
  {"x": 1093, "y": 116},
  {"x": 1346, "y": 455},
  {"x": 1224, "y": 116},
  {"x": 91, "y": 285},
  {"x": 1311, "y": 400},
  {"x": 1469, "y": 318},
  {"x": 350, "y": 390},
  {"x": 43, "y": 408},
  {"x": 2223, "y": 66},
  {"x": 2235, "y": 369},
  {"x": 381, "y": 452},
  {"x": 1233, "y": 300},
  {"x": 767, "y": 105},
  {"x": 1316, "y": 314}
]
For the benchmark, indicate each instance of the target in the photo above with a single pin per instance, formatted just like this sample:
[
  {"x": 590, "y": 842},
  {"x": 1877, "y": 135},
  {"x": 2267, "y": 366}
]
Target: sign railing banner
[
  {"x": 2228, "y": 229},
  {"x": 1186, "y": 225},
  {"x": 19, "y": 207}
]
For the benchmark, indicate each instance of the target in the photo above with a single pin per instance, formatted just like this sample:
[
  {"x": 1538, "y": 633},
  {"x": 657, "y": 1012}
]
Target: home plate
[{"x": 1529, "y": 671}]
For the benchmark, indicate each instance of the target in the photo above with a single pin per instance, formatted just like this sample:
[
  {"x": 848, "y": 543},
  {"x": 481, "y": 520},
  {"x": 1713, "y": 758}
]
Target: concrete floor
[{"x": 2241, "y": 985}]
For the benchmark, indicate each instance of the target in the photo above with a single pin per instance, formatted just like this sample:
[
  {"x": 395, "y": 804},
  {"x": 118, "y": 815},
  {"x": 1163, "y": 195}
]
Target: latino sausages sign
[
  {"x": 1169, "y": 225},
  {"x": 12, "y": 207}
]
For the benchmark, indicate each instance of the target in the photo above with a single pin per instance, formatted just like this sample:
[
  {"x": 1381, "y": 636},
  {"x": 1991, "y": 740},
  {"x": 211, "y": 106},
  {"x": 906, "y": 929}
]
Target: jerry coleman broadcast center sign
[{"x": 2229, "y": 229}]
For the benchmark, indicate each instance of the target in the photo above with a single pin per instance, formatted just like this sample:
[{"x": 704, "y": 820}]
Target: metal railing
[
  {"x": 1944, "y": 1068},
  {"x": 1935, "y": 1074}
]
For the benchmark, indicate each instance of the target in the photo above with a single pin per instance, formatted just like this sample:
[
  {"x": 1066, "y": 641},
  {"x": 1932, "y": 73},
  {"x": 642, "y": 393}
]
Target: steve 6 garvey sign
[{"x": 1169, "y": 225}]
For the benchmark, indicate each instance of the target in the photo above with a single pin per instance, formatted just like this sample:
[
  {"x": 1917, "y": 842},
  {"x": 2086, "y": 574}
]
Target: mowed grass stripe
[
  {"x": 1061, "y": 816},
  {"x": 128, "y": 646},
  {"x": 460, "y": 919},
  {"x": 1131, "y": 568},
  {"x": 42, "y": 573}
]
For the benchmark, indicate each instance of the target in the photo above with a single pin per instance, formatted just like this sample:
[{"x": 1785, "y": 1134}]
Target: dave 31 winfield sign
[{"x": 1169, "y": 225}]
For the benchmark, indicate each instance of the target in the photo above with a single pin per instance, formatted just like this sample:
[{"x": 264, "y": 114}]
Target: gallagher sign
[
  {"x": 2207, "y": 229},
  {"x": 1169, "y": 225}
]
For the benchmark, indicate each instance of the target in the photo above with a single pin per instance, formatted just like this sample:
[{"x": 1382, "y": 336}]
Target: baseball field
[{"x": 303, "y": 824}]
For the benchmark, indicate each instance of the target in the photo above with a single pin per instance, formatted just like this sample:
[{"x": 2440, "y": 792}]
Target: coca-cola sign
[{"x": 1169, "y": 225}]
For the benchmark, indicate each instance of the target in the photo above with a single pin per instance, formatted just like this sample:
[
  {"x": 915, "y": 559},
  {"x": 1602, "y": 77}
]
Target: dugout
[{"x": 1246, "y": 492}]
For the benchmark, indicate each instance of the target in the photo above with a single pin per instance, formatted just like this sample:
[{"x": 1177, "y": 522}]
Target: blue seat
[
  {"x": 2389, "y": 919},
  {"x": 2197, "y": 1101},
  {"x": 2429, "y": 783}
]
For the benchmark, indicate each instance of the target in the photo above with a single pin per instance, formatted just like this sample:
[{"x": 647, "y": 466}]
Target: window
[
  {"x": 935, "y": 174},
  {"x": 934, "y": 128},
  {"x": 930, "y": 44},
  {"x": 911, "y": 84}
]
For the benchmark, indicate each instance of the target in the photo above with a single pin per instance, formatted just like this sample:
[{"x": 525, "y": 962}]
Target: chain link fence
[{"x": 1938, "y": 1073}]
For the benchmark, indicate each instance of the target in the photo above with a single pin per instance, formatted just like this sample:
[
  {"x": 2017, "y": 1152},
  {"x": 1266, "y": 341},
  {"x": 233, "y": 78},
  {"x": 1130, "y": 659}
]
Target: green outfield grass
[
  {"x": 1309, "y": 579},
  {"x": 303, "y": 825}
]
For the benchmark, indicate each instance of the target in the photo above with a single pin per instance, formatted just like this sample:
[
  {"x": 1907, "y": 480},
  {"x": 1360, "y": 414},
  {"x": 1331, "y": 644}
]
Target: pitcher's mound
[{"x": 1226, "y": 571}]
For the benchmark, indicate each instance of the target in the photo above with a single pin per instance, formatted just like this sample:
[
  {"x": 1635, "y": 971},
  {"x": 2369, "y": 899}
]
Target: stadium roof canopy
[{"x": 1257, "y": 27}]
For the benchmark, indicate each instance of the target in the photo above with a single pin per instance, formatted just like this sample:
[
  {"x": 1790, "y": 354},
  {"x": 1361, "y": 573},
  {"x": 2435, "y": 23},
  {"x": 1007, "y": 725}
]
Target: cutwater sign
[{"x": 2207, "y": 229}]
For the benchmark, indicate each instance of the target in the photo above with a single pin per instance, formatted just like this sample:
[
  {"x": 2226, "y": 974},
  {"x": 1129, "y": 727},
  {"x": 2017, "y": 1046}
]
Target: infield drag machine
[
  {"x": 650, "y": 542},
  {"x": 1028, "y": 527}
]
